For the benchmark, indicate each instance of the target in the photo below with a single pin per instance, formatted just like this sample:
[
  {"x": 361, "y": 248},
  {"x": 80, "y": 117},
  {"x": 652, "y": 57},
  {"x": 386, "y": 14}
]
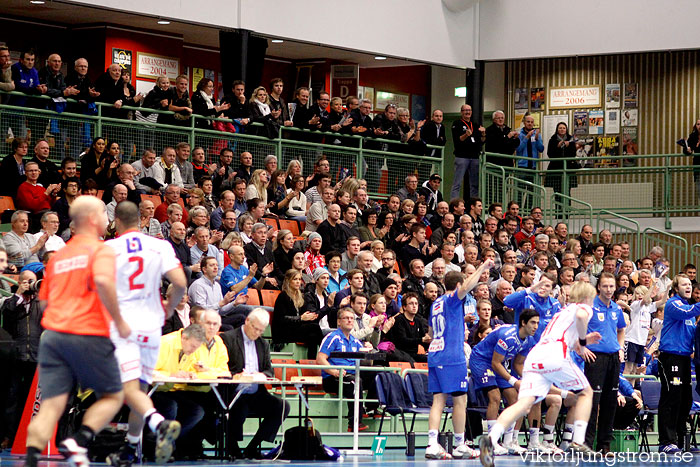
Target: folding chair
[
  {"x": 392, "y": 398},
  {"x": 651, "y": 392}
]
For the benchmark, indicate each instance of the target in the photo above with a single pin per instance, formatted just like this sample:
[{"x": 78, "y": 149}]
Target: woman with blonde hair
[
  {"x": 258, "y": 186},
  {"x": 290, "y": 323}
]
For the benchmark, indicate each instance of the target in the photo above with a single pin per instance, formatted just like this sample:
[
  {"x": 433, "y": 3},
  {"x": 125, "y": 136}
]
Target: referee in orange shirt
[{"x": 79, "y": 300}]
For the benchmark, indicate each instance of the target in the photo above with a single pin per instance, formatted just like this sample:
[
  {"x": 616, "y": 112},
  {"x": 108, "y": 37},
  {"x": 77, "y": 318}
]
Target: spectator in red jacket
[{"x": 33, "y": 197}]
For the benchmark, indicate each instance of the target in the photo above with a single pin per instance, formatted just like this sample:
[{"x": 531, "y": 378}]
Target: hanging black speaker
[{"x": 242, "y": 57}]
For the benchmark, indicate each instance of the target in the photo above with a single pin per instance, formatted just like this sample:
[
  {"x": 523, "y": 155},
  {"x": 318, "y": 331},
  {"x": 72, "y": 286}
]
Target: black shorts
[
  {"x": 65, "y": 359},
  {"x": 634, "y": 353}
]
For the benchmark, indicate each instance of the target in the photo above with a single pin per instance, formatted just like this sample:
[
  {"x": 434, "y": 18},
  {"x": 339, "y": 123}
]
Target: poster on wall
[
  {"x": 629, "y": 117},
  {"x": 122, "y": 57},
  {"x": 612, "y": 96},
  {"x": 612, "y": 121},
  {"x": 575, "y": 97},
  {"x": 549, "y": 127},
  {"x": 152, "y": 66},
  {"x": 629, "y": 142},
  {"x": 197, "y": 74},
  {"x": 581, "y": 122},
  {"x": 385, "y": 98},
  {"x": 606, "y": 146},
  {"x": 537, "y": 99},
  {"x": 143, "y": 86},
  {"x": 631, "y": 95},
  {"x": 520, "y": 98},
  {"x": 537, "y": 119},
  {"x": 368, "y": 94},
  {"x": 344, "y": 80},
  {"x": 585, "y": 146},
  {"x": 518, "y": 116},
  {"x": 596, "y": 122}
]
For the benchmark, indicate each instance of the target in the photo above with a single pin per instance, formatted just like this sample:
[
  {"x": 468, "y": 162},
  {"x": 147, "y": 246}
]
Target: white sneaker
[
  {"x": 437, "y": 452},
  {"x": 550, "y": 448},
  {"x": 464, "y": 452},
  {"x": 75, "y": 455},
  {"x": 514, "y": 448},
  {"x": 499, "y": 450}
]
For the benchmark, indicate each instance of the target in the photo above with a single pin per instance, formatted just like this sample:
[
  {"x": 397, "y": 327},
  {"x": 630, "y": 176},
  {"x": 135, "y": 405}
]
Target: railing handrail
[{"x": 578, "y": 159}]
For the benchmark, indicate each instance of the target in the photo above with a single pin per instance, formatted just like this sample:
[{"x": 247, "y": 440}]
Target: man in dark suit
[{"x": 255, "y": 400}]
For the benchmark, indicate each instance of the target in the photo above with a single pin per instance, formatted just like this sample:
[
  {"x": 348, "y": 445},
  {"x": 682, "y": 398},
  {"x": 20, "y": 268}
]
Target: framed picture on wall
[
  {"x": 537, "y": 118},
  {"x": 518, "y": 116},
  {"x": 612, "y": 121},
  {"x": 631, "y": 95},
  {"x": 537, "y": 99},
  {"x": 629, "y": 142},
  {"x": 629, "y": 117},
  {"x": 581, "y": 122},
  {"x": 596, "y": 119},
  {"x": 612, "y": 96},
  {"x": 385, "y": 98},
  {"x": 520, "y": 98}
]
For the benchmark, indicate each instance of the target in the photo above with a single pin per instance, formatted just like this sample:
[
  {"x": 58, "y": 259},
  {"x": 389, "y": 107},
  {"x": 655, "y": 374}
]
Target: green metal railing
[
  {"x": 660, "y": 185},
  {"x": 675, "y": 247},
  {"x": 383, "y": 163},
  {"x": 623, "y": 228},
  {"x": 695, "y": 254}
]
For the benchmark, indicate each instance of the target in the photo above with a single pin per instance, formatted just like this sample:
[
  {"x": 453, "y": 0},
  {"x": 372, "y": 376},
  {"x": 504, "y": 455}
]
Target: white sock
[
  {"x": 432, "y": 438},
  {"x": 459, "y": 439},
  {"x": 508, "y": 436},
  {"x": 534, "y": 436},
  {"x": 548, "y": 433},
  {"x": 153, "y": 418},
  {"x": 580, "y": 431},
  {"x": 131, "y": 439},
  {"x": 496, "y": 431},
  {"x": 490, "y": 424},
  {"x": 568, "y": 432}
]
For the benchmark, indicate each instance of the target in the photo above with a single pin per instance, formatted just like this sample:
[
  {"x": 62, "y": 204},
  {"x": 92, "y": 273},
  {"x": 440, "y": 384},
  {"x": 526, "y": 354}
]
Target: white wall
[
  {"x": 444, "y": 80},
  {"x": 550, "y": 28},
  {"x": 421, "y": 30}
]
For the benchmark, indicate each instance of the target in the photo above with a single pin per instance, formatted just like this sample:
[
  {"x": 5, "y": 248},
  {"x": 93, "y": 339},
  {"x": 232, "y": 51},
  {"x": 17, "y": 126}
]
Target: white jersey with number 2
[{"x": 141, "y": 262}]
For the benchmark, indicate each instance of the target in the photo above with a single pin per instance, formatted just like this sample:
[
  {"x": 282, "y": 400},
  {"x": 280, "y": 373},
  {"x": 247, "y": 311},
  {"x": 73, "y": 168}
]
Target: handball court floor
[{"x": 397, "y": 458}]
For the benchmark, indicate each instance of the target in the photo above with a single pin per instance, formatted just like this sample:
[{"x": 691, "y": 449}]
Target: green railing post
[
  {"x": 98, "y": 125},
  {"x": 279, "y": 146},
  {"x": 192, "y": 132},
  {"x": 360, "y": 159}
]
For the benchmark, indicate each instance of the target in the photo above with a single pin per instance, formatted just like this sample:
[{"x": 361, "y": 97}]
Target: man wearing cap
[{"x": 430, "y": 190}]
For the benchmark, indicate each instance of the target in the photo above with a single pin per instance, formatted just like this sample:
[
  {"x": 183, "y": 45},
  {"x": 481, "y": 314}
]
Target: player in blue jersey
[
  {"x": 548, "y": 363},
  {"x": 447, "y": 365},
  {"x": 675, "y": 347},
  {"x": 490, "y": 375}
]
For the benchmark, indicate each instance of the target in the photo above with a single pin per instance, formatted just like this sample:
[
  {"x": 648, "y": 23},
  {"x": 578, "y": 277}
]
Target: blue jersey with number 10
[{"x": 447, "y": 321}]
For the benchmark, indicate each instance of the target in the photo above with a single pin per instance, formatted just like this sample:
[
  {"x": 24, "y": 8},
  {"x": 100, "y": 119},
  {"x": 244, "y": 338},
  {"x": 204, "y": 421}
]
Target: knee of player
[
  {"x": 586, "y": 392},
  {"x": 554, "y": 401}
]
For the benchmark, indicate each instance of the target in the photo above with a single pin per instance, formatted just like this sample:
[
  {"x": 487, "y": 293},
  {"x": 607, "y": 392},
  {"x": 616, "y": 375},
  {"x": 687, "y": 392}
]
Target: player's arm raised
[{"x": 473, "y": 280}]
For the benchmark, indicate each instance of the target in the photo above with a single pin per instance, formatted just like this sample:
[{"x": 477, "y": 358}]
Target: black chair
[
  {"x": 392, "y": 398},
  {"x": 416, "y": 385},
  {"x": 651, "y": 392}
]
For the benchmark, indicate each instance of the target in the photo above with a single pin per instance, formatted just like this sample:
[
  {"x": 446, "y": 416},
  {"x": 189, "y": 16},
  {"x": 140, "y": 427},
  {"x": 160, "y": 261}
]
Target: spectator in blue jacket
[
  {"x": 530, "y": 144},
  {"x": 26, "y": 79},
  {"x": 675, "y": 347}
]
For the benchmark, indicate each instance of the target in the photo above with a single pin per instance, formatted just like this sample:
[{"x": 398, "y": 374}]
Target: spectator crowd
[{"x": 341, "y": 264}]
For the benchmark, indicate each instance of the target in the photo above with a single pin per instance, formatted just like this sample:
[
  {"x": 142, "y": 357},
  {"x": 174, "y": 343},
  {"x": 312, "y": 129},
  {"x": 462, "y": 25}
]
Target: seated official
[
  {"x": 176, "y": 359},
  {"x": 341, "y": 340},
  {"x": 250, "y": 355}
]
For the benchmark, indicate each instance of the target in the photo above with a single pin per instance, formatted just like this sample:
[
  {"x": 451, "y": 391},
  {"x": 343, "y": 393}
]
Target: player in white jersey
[
  {"x": 549, "y": 363},
  {"x": 141, "y": 263}
]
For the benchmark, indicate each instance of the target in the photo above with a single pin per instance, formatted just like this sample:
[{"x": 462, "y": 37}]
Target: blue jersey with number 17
[{"x": 447, "y": 321}]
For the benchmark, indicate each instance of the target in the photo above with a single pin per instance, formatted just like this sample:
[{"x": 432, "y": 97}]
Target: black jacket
[
  {"x": 254, "y": 256},
  {"x": 470, "y": 147},
  {"x": 82, "y": 84},
  {"x": 333, "y": 237},
  {"x": 361, "y": 120},
  {"x": 111, "y": 92},
  {"x": 497, "y": 141},
  {"x": 55, "y": 84},
  {"x": 233, "y": 340},
  {"x": 555, "y": 152},
  {"x": 24, "y": 326},
  {"x": 384, "y": 124},
  {"x": 152, "y": 101},
  {"x": 238, "y": 109},
  {"x": 407, "y": 335},
  {"x": 10, "y": 179},
  {"x": 431, "y": 135},
  {"x": 301, "y": 116},
  {"x": 199, "y": 107},
  {"x": 49, "y": 172}
]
